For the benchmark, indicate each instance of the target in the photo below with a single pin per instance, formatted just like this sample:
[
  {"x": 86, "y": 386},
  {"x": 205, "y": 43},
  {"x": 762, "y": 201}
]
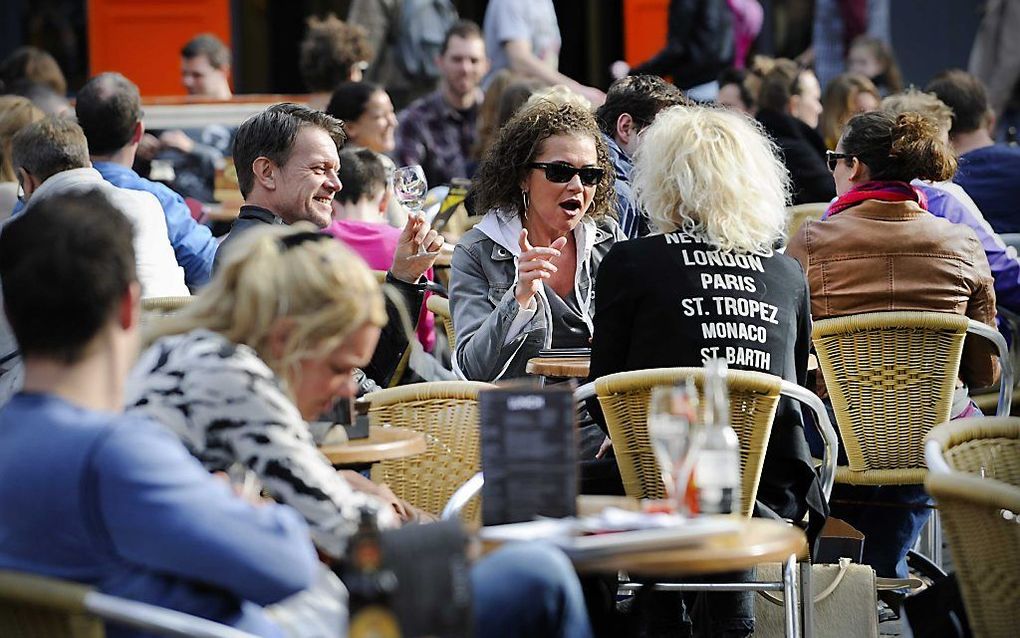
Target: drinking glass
[
  {"x": 674, "y": 435},
  {"x": 246, "y": 483},
  {"x": 410, "y": 187}
]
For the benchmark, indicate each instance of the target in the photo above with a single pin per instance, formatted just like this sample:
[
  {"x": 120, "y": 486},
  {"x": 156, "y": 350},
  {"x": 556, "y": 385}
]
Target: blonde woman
[
  {"x": 847, "y": 95},
  {"x": 269, "y": 344},
  {"x": 710, "y": 285}
]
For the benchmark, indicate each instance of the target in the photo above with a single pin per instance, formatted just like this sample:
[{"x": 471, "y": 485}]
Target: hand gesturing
[{"x": 534, "y": 265}]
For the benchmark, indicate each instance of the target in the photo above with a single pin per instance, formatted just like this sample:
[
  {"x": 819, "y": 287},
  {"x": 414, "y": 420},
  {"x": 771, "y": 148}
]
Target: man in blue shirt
[
  {"x": 988, "y": 171},
  {"x": 97, "y": 497},
  {"x": 109, "y": 111},
  {"x": 631, "y": 104}
]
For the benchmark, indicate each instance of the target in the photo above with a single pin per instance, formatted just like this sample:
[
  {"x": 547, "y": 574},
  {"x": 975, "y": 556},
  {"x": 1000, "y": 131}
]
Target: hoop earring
[{"x": 524, "y": 200}]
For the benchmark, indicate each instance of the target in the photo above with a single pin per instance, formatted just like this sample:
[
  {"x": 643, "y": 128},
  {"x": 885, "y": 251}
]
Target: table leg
[
  {"x": 791, "y": 601},
  {"x": 807, "y": 607}
]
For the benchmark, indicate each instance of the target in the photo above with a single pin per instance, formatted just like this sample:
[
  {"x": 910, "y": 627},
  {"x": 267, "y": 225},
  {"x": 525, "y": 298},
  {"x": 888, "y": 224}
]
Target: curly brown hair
[
  {"x": 330, "y": 50},
  {"x": 497, "y": 184}
]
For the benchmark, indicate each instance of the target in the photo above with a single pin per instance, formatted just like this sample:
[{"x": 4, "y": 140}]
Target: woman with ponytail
[{"x": 878, "y": 249}]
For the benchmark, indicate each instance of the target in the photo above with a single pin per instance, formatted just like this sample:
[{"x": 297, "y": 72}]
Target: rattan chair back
[
  {"x": 983, "y": 446},
  {"x": 446, "y": 412},
  {"x": 624, "y": 399},
  {"x": 797, "y": 215},
  {"x": 890, "y": 377},
  {"x": 981, "y": 520},
  {"x": 35, "y": 606},
  {"x": 440, "y": 307}
]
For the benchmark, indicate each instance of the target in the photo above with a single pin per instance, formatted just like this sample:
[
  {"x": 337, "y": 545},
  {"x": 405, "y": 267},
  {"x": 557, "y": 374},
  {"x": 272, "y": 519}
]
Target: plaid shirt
[{"x": 437, "y": 136}]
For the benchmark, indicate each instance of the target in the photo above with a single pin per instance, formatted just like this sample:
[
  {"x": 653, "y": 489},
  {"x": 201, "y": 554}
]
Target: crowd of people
[{"x": 648, "y": 222}]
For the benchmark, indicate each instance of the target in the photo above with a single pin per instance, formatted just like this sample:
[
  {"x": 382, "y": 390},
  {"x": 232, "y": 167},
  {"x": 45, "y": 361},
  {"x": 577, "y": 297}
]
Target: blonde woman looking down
[{"x": 270, "y": 343}]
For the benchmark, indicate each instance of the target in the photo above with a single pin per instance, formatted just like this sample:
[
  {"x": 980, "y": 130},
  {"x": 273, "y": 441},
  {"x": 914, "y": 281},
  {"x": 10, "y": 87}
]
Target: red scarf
[{"x": 882, "y": 191}]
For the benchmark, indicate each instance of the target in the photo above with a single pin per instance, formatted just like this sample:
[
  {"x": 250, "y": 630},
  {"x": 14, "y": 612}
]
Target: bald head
[{"x": 108, "y": 108}]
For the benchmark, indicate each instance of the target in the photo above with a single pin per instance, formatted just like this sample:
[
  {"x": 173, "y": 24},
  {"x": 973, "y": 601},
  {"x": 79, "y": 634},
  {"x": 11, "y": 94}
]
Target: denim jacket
[{"x": 482, "y": 285}]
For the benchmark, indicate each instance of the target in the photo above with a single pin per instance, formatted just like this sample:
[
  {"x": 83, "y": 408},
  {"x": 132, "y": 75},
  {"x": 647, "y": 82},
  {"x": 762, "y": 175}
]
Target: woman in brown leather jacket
[{"x": 878, "y": 249}]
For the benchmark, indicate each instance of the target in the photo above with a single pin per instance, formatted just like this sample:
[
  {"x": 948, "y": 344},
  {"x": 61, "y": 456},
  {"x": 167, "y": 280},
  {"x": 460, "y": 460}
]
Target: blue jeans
[
  {"x": 528, "y": 590},
  {"x": 889, "y": 516}
]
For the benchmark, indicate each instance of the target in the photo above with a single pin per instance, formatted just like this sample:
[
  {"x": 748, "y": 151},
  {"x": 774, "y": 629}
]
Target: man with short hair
[
  {"x": 109, "y": 111},
  {"x": 632, "y": 104},
  {"x": 51, "y": 158},
  {"x": 196, "y": 152},
  {"x": 205, "y": 67},
  {"x": 438, "y": 131},
  {"x": 105, "y": 499},
  {"x": 988, "y": 171},
  {"x": 287, "y": 161}
]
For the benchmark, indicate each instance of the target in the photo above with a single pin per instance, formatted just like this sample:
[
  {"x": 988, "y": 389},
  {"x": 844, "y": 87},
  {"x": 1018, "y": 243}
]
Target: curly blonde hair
[
  {"x": 497, "y": 184},
  {"x": 324, "y": 288},
  {"x": 715, "y": 175},
  {"x": 917, "y": 101}
]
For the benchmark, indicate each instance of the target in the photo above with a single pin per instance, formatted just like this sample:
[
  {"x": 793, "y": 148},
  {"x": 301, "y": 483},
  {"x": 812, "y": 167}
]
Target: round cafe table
[
  {"x": 757, "y": 541},
  {"x": 559, "y": 367},
  {"x": 382, "y": 444}
]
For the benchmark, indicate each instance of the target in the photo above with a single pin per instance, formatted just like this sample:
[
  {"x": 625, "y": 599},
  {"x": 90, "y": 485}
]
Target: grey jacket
[{"x": 491, "y": 345}]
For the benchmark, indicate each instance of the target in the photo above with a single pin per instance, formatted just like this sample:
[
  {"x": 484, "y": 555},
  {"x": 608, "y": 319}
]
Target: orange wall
[
  {"x": 644, "y": 29},
  {"x": 143, "y": 38}
]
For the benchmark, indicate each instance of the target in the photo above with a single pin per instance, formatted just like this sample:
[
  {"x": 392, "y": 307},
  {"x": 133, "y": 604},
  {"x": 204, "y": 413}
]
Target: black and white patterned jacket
[{"x": 228, "y": 407}]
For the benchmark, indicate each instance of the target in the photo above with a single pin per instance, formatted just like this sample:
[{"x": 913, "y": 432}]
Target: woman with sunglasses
[
  {"x": 878, "y": 249},
  {"x": 523, "y": 278}
]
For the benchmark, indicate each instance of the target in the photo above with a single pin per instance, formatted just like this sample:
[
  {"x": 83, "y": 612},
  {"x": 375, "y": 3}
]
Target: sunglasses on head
[
  {"x": 831, "y": 157},
  {"x": 559, "y": 173}
]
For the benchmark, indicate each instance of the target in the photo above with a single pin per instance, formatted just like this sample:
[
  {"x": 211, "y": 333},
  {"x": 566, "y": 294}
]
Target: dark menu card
[{"x": 529, "y": 453}]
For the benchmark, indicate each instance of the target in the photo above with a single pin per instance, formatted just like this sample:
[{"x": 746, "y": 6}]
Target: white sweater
[
  {"x": 155, "y": 262},
  {"x": 158, "y": 271}
]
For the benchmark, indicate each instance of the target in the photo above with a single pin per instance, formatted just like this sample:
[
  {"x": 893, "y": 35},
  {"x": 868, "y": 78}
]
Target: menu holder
[
  {"x": 433, "y": 596},
  {"x": 529, "y": 453}
]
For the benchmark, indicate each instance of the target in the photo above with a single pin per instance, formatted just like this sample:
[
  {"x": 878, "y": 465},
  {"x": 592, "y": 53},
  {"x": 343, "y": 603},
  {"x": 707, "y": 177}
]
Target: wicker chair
[
  {"x": 891, "y": 377},
  {"x": 754, "y": 397},
  {"x": 984, "y": 446},
  {"x": 797, "y": 215},
  {"x": 447, "y": 413},
  {"x": 35, "y": 607},
  {"x": 440, "y": 307},
  {"x": 980, "y": 516}
]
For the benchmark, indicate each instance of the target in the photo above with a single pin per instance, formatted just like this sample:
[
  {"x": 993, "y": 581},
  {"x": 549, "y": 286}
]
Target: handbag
[{"x": 844, "y": 601}]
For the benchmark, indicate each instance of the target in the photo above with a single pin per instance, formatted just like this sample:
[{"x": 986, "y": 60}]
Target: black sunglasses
[
  {"x": 558, "y": 173},
  {"x": 831, "y": 157}
]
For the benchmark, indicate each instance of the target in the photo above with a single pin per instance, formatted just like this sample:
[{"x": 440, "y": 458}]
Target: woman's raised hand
[{"x": 534, "y": 265}]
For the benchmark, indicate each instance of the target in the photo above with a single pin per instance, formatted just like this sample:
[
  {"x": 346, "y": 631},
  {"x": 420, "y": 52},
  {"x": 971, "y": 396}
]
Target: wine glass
[
  {"x": 674, "y": 435},
  {"x": 410, "y": 187}
]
